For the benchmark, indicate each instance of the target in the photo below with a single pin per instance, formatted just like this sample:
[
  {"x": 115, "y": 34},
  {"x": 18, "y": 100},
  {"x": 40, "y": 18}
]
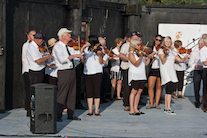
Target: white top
[
  {"x": 136, "y": 73},
  {"x": 156, "y": 63},
  {"x": 34, "y": 54},
  {"x": 167, "y": 70},
  {"x": 50, "y": 70},
  {"x": 115, "y": 65},
  {"x": 75, "y": 52},
  {"x": 61, "y": 56},
  {"x": 180, "y": 66},
  {"x": 24, "y": 58},
  {"x": 125, "y": 51},
  {"x": 92, "y": 65},
  {"x": 203, "y": 55},
  {"x": 195, "y": 59}
]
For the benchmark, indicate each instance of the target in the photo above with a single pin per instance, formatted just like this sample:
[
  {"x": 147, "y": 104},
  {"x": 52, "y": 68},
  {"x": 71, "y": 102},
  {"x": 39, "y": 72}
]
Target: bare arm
[
  {"x": 123, "y": 57},
  {"x": 100, "y": 57},
  {"x": 41, "y": 60},
  {"x": 147, "y": 61},
  {"x": 133, "y": 60}
]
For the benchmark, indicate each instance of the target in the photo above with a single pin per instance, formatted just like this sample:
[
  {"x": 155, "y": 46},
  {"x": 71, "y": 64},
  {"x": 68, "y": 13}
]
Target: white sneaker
[{"x": 169, "y": 112}]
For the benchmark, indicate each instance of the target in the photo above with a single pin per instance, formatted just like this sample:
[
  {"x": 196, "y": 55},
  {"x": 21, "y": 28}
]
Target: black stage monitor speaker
[{"x": 43, "y": 109}]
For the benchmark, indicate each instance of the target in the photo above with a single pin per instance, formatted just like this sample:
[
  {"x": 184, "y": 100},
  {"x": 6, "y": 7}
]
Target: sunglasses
[{"x": 158, "y": 40}]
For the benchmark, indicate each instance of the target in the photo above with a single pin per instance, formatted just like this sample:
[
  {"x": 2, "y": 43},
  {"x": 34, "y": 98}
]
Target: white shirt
[
  {"x": 156, "y": 63},
  {"x": 180, "y": 66},
  {"x": 92, "y": 65},
  {"x": 115, "y": 65},
  {"x": 167, "y": 70},
  {"x": 34, "y": 54},
  {"x": 75, "y": 52},
  {"x": 125, "y": 51},
  {"x": 195, "y": 59},
  {"x": 24, "y": 57},
  {"x": 203, "y": 55},
  {"x": 136, "y": 73},
  {"x": 61, "y": 56}
]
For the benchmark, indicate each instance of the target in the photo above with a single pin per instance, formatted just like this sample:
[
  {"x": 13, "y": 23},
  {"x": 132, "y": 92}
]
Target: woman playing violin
[
  {"x": 93, "y": 70},
  {"x": 180, "y": 67},
  {"x": 167, "y": 71},
  {"x": 154, "y": 74},
  {"x": 136, "y": 75},
  {"x": 116, "y": 74}
]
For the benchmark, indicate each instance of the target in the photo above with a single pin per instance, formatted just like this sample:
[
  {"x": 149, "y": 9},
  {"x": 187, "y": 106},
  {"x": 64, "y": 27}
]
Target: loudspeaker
[{"x": 43, "y": 108}]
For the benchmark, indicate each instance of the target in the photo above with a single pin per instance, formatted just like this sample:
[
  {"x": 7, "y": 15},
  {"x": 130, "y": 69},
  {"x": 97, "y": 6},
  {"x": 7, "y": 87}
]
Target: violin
[
  {"x": 75, "y": 44},
  {"x": 183, "y": 50},
  {"x": 42, "y": 48},
  {"x": 145, "y": 48},
  {"x": 108, "y": 52}
]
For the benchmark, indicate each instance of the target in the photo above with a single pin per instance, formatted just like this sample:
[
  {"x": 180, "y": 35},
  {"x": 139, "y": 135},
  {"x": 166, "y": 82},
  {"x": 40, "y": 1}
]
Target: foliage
[{"x": 177, "y": 2}]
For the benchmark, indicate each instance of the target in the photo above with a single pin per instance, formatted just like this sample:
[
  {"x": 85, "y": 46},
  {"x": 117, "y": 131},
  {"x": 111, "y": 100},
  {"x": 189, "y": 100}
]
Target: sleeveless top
[{"x": 136, "y": 73}]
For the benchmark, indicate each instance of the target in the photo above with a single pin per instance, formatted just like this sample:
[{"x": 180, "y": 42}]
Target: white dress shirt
[
  {"x": 180, "y": 66},
  {"x": 195, "y": 59},
  {"x": 203, "y": 55},
  {"x": 61, "y": 56},
  {"x": 24, "y": 57},
  {"x": 34, "y": 54},
  {"x": 125, "y": 51}
]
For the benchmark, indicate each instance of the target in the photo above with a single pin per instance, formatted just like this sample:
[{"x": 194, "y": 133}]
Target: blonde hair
[
  {"x": 133, "y": 43},
  {"x": 165, "y": 39}
]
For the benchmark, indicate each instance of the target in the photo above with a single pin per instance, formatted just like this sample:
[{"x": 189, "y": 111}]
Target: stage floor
[{"x": 115, "y": 122}]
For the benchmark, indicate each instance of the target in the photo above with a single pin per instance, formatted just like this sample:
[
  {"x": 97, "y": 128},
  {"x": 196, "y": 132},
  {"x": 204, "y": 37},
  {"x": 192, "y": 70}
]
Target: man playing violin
[
  {"x": 203, "y": 58},
  {"x": 66, "y": 93},
  {"x": 36, "y": 62},
  {"x": 25, "y": 70}
]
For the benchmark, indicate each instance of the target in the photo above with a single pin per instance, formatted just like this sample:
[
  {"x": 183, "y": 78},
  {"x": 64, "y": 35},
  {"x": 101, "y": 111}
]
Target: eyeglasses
[{"x": 158, "y": 40}]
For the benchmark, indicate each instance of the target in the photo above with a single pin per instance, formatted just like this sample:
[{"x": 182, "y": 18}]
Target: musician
[
  {"x": 180, "y": 69},
  {"x": 66, "y": 93},
  {"x": 36, "y": 61},
  {"x": 203, "y": 58},
  {"x": 25, "y": 70},
  {"x": 124, "y": 52},
  {"x": 136, "y": 75},
  {"x": 167, "y": 71},
  {"x": 154, "y": 74},
  {"x": 197, "y": 66},
  {"x": 116, "y": 74},
  {"x": 93, "y": 70},
  {"x": 51, "y": 68},
  {"x": 105, "y": 76}
]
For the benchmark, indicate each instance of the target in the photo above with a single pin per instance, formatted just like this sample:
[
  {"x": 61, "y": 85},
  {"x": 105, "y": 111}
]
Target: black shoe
[
  {"x": 141, "y": 103},
  {"x": 80, "y": 107},
  {"x": 74, "y": 118},
  {"x": 59, "y": 119},
  {"x": 104, "y": 101},
  {"x": 197, "y": 105},
  {"x": 28, "y": 113}
]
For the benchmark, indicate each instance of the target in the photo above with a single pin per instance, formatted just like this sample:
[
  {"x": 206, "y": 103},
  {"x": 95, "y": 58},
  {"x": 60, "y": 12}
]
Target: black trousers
[
  {"x": 197, "y": 76},
  {"x": 204, "y": 88},
  {"x": 105, "y": 83},
  {"x": 126, "y": 88},
  {"x": 27, "y": 89},
  {"x": 79, "y": 74},
  {"x": 36, "y": 76},
  {"x": 66, "y": 93},
  {"x": 179, "y": 84}
]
